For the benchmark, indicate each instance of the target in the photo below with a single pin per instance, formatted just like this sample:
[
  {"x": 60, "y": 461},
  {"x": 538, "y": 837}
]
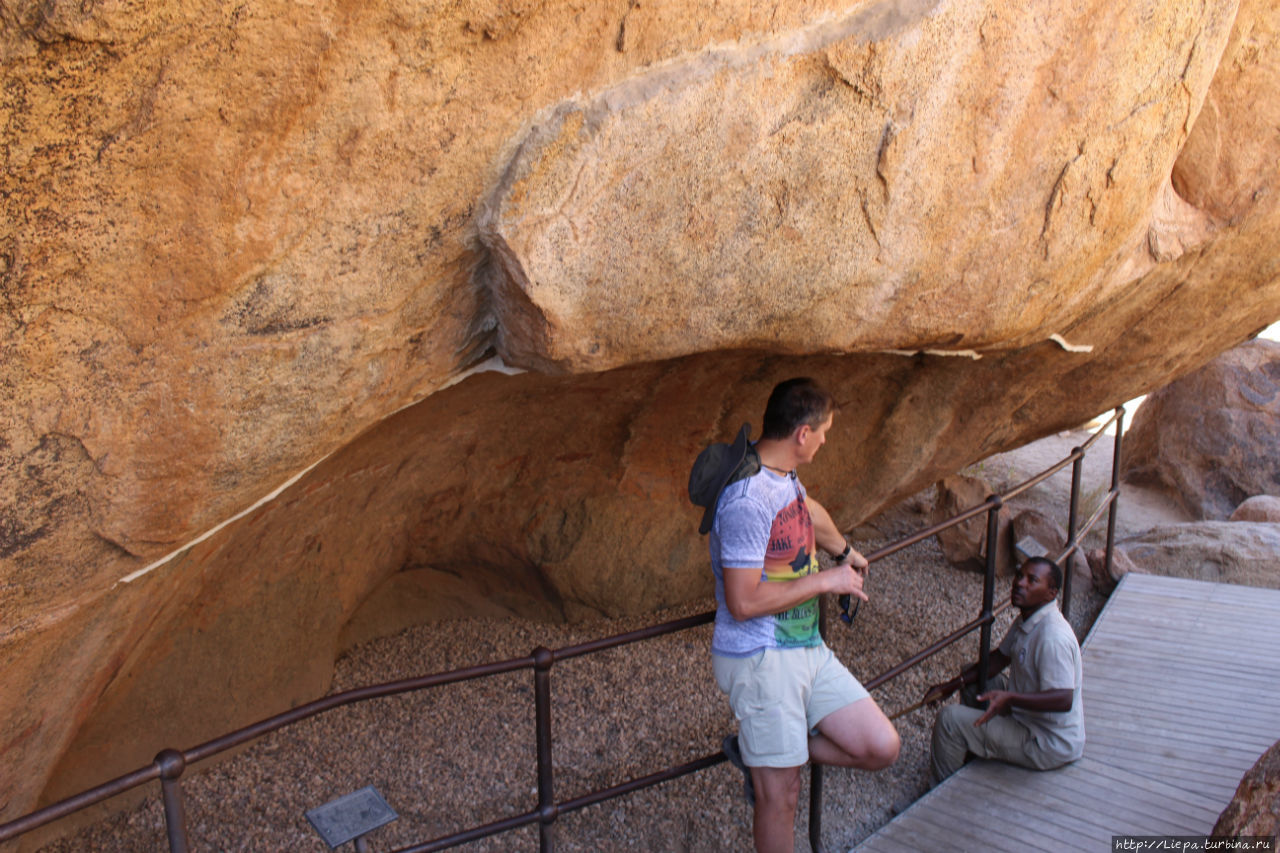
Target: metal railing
[{"x": 169, "y": 764}]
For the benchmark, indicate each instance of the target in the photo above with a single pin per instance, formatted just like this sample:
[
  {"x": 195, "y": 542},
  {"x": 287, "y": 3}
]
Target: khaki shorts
[{"x": 778, "y": 695}]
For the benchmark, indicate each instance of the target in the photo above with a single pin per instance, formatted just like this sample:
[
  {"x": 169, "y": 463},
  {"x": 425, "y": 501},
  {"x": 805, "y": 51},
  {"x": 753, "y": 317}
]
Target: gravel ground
[{"x": 458, "y": 756}]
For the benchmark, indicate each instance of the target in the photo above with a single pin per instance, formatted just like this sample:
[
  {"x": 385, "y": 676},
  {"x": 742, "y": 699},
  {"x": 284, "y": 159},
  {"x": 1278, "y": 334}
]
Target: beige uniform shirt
[{"x": 1044, "y": 655}]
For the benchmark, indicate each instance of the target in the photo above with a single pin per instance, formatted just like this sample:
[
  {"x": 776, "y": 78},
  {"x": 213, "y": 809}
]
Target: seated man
[{"x": 1033, "y": 718}]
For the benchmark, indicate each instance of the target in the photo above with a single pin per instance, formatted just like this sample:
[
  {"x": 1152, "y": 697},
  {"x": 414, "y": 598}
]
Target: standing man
[
  {"x": 1034, "y": 718},
  {"x": 794, "y": 701}
]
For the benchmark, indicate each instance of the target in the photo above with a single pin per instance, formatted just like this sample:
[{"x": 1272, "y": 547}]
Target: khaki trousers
[{"x": 1002, "y": 737}]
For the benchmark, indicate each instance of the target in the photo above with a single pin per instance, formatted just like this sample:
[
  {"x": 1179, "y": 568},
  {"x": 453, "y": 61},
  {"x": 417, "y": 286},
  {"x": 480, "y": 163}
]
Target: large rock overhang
[{"x": 977, "y": 222}]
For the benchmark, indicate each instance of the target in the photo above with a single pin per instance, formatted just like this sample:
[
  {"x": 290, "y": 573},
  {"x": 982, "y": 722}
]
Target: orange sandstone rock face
[
  {"x": 236, "y": 240},
  {"x": 915, "y": 175}
]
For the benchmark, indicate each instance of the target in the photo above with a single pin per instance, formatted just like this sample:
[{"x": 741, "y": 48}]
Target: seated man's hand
[{"x": 997, "y": 703}]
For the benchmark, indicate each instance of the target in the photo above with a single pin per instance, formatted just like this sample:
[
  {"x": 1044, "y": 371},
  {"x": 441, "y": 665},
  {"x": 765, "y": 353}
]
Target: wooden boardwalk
[{"x": 1181, "y": 696}]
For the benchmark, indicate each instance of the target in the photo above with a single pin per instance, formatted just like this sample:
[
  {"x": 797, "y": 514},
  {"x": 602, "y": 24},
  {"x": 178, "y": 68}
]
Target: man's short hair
[
  {"x": 794, "y": 403},
  {"x": 1055, "y": 573}
]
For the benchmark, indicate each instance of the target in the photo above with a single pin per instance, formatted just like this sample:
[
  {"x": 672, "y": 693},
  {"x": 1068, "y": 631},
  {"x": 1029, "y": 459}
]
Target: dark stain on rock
[{"x": 266, "y": 310}]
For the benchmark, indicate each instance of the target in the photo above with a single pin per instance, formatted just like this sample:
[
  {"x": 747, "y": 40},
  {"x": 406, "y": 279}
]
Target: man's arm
[
  {"x": 748, "y": 595},
  {"x": 829, "y": 537},
  {"x": 996, "y": 661},
  {"x": 1003, "y": 701},
  {"x": 1055, "y": 668}
]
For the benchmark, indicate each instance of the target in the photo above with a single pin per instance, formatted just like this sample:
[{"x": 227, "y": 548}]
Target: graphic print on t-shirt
[{"x": 791, "y": 555}]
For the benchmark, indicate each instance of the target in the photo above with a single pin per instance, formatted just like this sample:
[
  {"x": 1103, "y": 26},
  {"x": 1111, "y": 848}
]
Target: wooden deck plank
[
  {"x": 1241, "y": 723},
  {"x": 1249, "y": 703},
  {"x": 1227, "y": 595},
  {"x": 1199, "y": 692},
  {"x": 1160, "y": 608},
  {"x": 1191, "y": 700},
  {"x": 1195, "y": 589},
  {"x": 1213, "y": 618},
  {"x": 1181, "y": 696},
  {"x": 1171, "y": 739},
  {"x": 1190, "y": 801},
  {"x": 964, "y": 833},
  {"x": 1157, "y": 605},
  {"x": 1184, "y": 769},
  {"x": 1051, "y": 818},
  {"x": 1237, "y": 719},
  {"x": 1197, "y": 725},
  {"x": 1205, "y": 648},
  {"x": 1240, "y": 665},
  {"x": 926, "y": 832},
  {"x": 979, "y": 821},
  {"x": 1204, "y": 643},
  {"x": 1140, "y": 626},
  {"x": 1127, "y": 804},
  {"x": 887, "y": 841},
  {"x": 1183, "y": 773},
  {"x": 1146, "y": 684},
  {"x": 1185, "y": 747},
  {"x": 902, "y": 837},
  {"x": 1020, "y": 795},
  {"x": 1247, "y": 716}
]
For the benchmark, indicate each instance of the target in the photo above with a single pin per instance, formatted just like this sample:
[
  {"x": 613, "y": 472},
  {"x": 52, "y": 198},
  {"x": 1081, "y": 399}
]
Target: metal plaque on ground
[
  {"x": 338, "y": 821},
  {"x": 1029, "y": 546}
]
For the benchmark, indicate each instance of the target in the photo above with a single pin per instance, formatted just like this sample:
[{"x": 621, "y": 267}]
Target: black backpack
[{"x": 717, "y": 466}]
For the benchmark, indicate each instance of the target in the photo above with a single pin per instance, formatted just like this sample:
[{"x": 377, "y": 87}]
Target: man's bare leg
[
  {"x": 777, "y": 795},
  {"x": 858, "y": 735}
]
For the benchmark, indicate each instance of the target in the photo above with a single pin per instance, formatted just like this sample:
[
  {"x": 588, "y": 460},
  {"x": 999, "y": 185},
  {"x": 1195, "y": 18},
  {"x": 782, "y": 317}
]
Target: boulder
[
  {"x": 1212, "y": 438},
  {"x": 623, "y": 186},
  {"x": 1258, "y": 508},
  {"x": 1255, "y": 808},
  {"x": 965, "y": 545},
  {"x": 258, "y": 348},
  {"x": 1035, "y": 525},
  {"x": 1105, "y": 581},
  {"x": 1239, "y": 552}
]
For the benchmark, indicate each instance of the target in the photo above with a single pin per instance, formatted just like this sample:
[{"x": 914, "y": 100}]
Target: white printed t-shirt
[{"x": 762, "y": 522}]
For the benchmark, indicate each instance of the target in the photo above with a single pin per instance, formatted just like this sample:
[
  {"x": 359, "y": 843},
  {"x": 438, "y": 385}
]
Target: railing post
[
  {"x": 172, "y": 763},
  {"x": 1115, "y": 487},
  {"x": 543, "y": 658},
  {"x": 989, "y": 589},
  {"x": 815, "y": 808},
  {"x": 1072, "y": 516},
  {"x": 815, "y": 769}
]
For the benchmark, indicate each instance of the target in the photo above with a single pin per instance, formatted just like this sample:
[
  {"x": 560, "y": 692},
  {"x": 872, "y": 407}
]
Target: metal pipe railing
[
  {"x": 170, "y": 764},
  {"x": 989, "y": 589},
  {"x": 543, "y": 659},
  {"x": 1076, "y": 468},
  {"x": 1115, "y": 486}
]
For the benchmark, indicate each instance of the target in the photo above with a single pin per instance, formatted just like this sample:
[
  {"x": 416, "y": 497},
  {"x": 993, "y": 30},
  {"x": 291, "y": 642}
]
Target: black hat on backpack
[{"x": 713, "y": 470}]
